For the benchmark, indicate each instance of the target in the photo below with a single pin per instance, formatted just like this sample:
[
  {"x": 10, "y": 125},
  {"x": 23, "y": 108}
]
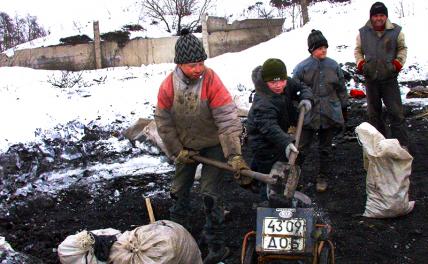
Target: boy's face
[
  {"x": 320, "y": 53},
  {"x": 194, "y": 70},
  {"x": 277, "y": 86}
]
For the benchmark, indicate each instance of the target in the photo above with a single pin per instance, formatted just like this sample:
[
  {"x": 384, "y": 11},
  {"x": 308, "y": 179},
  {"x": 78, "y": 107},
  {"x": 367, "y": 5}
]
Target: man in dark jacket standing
[
  {"x": 195, "y": 114},
  {"x": 325, "y": 78},
  {"x": 380, "y": 54},
  {"x": 272, "y": 113}
]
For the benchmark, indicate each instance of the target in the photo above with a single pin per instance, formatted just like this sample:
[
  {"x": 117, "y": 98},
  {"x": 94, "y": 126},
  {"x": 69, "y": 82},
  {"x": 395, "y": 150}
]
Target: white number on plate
[{"x": 283, "y": 234}]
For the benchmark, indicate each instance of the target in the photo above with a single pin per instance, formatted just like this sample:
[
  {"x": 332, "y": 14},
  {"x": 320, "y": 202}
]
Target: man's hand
[
  {"x": 305, "y": 103},
  {"x": 290, "y": 148},
  {"x": 184, "y": 156},
  {"x": 360, "y": 66},
  {"x": 238, "y": 163},
  {"x": 397, "y": 65}
]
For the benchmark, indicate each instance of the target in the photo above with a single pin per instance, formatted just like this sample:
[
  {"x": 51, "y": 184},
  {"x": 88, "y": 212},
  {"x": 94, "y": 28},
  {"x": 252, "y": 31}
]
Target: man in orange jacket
[{"x": 196, "y": 114}]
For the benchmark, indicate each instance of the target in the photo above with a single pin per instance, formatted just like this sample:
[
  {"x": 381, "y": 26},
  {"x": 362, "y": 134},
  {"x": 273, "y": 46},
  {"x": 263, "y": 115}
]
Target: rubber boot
[{"x": 216, "y": 254}]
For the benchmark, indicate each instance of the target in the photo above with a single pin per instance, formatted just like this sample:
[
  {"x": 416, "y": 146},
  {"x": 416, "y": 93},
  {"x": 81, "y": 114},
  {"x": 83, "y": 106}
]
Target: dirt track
[{"x": 36, "y": 227}]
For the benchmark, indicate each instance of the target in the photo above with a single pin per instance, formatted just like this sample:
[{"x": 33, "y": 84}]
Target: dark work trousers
[
  {"x": 264, "y": 165},
  {"x": 388, "y": 92},
  {"x": 325, "y": 137},
  {"x": 211, "y": 188}
]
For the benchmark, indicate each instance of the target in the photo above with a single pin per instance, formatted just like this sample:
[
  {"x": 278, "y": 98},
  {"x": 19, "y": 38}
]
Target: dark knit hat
[
  {"x": 274, "y": 70},
  {"x": 378, "y": 8},
  {"x": 315, "y": 40},
  {"x": 188, "y": 49}
]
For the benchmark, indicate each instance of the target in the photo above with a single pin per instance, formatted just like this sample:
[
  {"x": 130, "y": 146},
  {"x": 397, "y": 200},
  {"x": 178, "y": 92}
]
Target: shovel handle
[
  {"x": 293, "y": 155},
  {"x": 266, "y": 178},
  {"x": 293, "y": 175}
]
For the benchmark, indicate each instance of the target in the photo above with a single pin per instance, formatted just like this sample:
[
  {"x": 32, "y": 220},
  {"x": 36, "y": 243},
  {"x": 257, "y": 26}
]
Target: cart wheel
[
  {"x": 326, "y": 255},
  {"x": 250, "y": 252}
]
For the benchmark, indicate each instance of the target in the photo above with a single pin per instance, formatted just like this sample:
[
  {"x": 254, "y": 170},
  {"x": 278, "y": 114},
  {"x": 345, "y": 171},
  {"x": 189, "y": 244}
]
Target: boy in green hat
[{"x": 272, "y": 113}]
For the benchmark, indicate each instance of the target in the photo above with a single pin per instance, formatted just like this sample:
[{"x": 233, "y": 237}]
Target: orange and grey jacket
[{"x": 196, "y": 114}]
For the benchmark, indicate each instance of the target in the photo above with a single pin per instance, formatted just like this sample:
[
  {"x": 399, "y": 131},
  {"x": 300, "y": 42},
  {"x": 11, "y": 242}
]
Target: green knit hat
[{"x": 274, "y": 70}]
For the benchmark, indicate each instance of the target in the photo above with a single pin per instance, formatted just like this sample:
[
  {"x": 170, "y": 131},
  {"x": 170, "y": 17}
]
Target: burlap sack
[
  {"x": 78, "y": 248},
  {"x": 163, "y": 242},
  {"x": 388, "y": 168}
]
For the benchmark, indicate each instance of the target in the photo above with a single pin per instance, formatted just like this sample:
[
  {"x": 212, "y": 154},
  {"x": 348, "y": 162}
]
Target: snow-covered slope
[{"x": 29, "y": 103}]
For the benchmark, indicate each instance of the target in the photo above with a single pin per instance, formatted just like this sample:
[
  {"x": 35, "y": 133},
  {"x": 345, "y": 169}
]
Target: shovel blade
[{"x": 292, "y": 181}]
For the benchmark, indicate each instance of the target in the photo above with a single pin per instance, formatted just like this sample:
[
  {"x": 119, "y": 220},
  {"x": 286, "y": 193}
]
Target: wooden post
[
  {"x": 150, "y": 210},
  {"x": 205, "y": 34},
  {"x": 97, "y": 45}
]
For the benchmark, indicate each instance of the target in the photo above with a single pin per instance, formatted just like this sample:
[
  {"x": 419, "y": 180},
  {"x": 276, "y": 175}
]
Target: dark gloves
[
  {"x": 184, "y": 156},
  {"x": 345, "y": 113},
  {"x": 397, "y": 65},
  {"x": 238, "y": 163},
  {"x": 360, "y": 66}
]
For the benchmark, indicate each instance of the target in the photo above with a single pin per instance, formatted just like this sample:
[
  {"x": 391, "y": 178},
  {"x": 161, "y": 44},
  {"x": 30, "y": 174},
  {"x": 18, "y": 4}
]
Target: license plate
[{"x": 283, "y": 234}]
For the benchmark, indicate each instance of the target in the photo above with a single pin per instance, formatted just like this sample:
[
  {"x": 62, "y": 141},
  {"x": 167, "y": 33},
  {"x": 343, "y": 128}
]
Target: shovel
[
  {"x": 266, "y": 178},
  {"x": 293, "y": 169}
]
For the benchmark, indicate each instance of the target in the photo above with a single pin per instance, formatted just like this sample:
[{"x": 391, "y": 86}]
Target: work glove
[
  {"x": 360, "y": 66},
  {"x": 306, "y": 103},
  {"x": 238, "y": 163},
  {"x": 290, "y": 147},
  {"x": 397, "y": 65},
  {"x": 184, "y": 156}
]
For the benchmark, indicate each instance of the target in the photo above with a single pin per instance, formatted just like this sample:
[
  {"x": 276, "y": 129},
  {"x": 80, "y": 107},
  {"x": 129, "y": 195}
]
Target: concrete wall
[
  {"x": 138, "y": 51},
  {"x": 220, "y": 37},
  {"x": 240, "y": 35},
  {"x": 64, "y": 57}
]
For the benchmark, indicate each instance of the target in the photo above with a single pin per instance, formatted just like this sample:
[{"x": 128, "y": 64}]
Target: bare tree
[
  {"x": 172, "y": 12},
  {"x": 19, "y": 34},
  {"x": 261, "y": 10},
  {"x": 304, "y": 7},
  {"x": 34, "y": 30},
  {"x": 403, "y": 9},
  {"x": 18, "y": 30},
  {"x": 7, "y": 28},
  {"x": 292, "y": 8}
]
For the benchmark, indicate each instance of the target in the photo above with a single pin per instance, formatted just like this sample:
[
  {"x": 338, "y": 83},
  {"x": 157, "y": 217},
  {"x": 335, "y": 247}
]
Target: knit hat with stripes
[{"x": 188, "y": 49}]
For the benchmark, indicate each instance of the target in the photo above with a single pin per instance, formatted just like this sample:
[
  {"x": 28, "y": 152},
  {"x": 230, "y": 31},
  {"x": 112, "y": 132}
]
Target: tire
[
  {"x": 250, "y": 252},
  {"x": 325, "y": 256}
]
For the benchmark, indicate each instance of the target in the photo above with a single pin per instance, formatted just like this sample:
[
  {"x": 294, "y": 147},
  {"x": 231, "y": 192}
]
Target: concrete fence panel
[{"x": 220, "y": 36}]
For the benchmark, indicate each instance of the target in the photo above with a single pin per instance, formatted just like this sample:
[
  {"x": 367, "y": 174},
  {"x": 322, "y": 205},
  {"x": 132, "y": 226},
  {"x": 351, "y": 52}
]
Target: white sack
[
  {"x": 388, "y": 167},
  {"x": 4, "y": 245},
  {"x": 74, "y": 248},
  {"x": 163, "y": 242}
]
